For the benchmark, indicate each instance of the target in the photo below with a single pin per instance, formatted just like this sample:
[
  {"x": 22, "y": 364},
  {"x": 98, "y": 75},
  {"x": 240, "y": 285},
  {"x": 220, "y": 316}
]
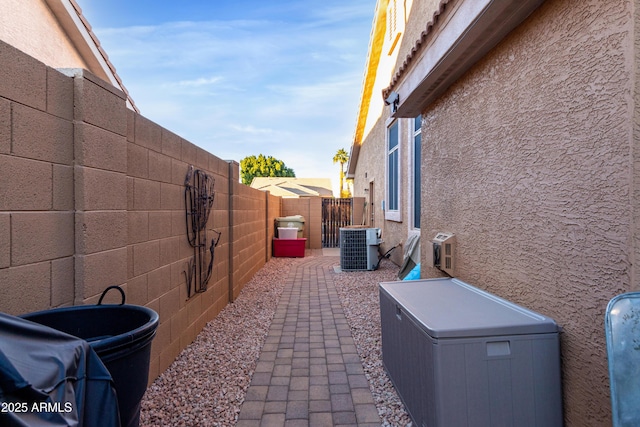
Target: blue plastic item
[
  {"x": 414, "y": 274},
  {"x": 622, "y": 327}
]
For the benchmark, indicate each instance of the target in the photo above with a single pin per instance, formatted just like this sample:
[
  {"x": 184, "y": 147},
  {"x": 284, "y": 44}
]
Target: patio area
[{"x": 299, "y": 347}]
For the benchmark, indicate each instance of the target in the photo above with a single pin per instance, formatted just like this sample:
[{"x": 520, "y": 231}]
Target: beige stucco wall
[
  {"x": 30, "y": 26},
  {"x": 528, "y": 160}
]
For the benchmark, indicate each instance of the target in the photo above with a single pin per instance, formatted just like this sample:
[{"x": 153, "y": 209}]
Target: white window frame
[
  {"x": 393, "y": 214},
  {"x": 414, "y": 133}
]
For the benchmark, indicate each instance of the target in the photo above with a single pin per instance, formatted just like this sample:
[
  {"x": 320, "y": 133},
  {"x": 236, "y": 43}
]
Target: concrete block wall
[
  {"x": 92, "y": 195},
  {"x": 273, "y": 211},
  {"x": 36, "y": 185},
  {"x": 99, "y": 144},
  {"x": 248, "y": 233},
  {"x": 158, "y": 251}
]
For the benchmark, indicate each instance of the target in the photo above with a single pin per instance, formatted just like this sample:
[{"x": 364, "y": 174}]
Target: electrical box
[{"x": 444, "y": 245}]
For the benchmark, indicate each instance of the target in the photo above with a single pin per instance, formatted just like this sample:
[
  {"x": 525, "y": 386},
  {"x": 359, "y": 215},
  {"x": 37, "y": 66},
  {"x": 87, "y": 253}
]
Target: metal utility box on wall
[
  {"x": 443, "y": 255},
  {"x": 359, "y": 248},
  {"x": 459, "y": 356}
]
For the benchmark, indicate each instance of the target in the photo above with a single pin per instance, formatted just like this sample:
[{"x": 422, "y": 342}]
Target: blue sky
[{"x": 243, "y": 77}]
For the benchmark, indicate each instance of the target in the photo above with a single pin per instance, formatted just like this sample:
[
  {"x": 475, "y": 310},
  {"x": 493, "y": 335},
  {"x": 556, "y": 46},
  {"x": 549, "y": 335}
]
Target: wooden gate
[{"x": 336, "y": 213}]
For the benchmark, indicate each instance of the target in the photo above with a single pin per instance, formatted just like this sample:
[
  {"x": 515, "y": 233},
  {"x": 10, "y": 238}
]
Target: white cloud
[
  {"x": 287, "y": 88},
  {"x": 201, "y": 81}
]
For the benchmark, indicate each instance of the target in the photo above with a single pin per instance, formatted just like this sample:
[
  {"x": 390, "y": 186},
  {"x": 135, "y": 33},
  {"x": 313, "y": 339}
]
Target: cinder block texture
[
  {"x": 159, "y": 167},
  {"x": 234, "y": 170},
  {"x": 5, "y": 127},
  {"x": 146, "y": 194},
  {"x": 22, "y": 78},
  {"x": 170, "y": 250},
  {"x": 98, "y": 148},
  {"x": 178, "y": 171},
  {"x": 59, "y": 94},
  {"x": 137, "y": 290},
  {"x": 5, "y": 240},
  {"x": 171, "y": 144},
  {"x": 159, "y": 224},
  {"x": 26, "y": 184},
  {"x": 40, "y": 236},
  {"x": 131, "y": 119},
  {"x": 95, "y": 272},
  {"x": 97, "y": 189},
  {"x": 189, "y": 153},
  {"x": 137, "y": 161},
  {"x": 138, "y": 226},
  {"x": 160, "y": 282},
  {"x": 146, "y": 257},
  {"x": 100, "y": 231},
  {"x": 41, "y": 136},
  {"x": 172, "y": 197},
  {"x": 91, "y": 91},
  {"x": 169, "y": 303},
  {"x": 147, "y": 133},
  {"x": 63, "y": 188},
  {"x": 24, "y": 289},
  {"x": 62, "y": 281}
]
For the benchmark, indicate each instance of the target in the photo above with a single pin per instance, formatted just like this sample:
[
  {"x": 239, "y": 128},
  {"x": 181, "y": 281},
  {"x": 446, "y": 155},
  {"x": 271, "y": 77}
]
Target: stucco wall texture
[
  {"x": 39, "y": 33},
  {"x": 92, "y": 195},
  {"x": 529, "y": 160}
]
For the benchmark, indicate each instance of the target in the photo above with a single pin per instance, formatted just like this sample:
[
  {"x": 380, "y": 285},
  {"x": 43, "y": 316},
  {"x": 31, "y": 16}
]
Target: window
[
  {"x": 393, "y": 173},
  {"x": 417, "y": 162}
]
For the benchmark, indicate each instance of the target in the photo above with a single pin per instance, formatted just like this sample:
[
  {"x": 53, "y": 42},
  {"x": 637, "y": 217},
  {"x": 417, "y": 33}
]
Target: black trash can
[{"x": 121, "y": 335}]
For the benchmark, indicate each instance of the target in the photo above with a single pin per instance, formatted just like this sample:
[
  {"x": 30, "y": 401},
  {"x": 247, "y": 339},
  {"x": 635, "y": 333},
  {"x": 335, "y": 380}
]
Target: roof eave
[
  {"x": 376, "y": 42},
  {"x": 69, "y": 15},
  {"x": 473, "y": 30}
]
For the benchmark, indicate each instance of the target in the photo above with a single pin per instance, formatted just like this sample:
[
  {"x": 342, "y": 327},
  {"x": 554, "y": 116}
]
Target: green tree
[
  {"x": 263, "y": 166},
  {"x": 341, "y": 157}
]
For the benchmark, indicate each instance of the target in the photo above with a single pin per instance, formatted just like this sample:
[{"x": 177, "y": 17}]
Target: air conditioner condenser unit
[{"x": 359, "y": 248}]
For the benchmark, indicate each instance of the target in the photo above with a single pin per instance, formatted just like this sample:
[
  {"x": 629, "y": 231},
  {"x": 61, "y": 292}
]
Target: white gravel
[{"x": 207, "y": 383}]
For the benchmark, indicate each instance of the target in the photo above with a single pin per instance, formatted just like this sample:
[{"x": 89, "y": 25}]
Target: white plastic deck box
[{"x": 459, "y": 356}]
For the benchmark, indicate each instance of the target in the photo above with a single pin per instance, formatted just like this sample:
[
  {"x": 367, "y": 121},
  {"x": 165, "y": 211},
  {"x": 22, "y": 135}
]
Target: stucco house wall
[
  {"x": 32, "y": 27},
  {"x": 367, "y": 167},
  {"x": 56, "y": 33},
  {"x": 529, "y": 157}
]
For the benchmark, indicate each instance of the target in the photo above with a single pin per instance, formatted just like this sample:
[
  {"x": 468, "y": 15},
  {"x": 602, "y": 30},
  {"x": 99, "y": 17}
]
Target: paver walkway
[{"x": 309, "y": 372}]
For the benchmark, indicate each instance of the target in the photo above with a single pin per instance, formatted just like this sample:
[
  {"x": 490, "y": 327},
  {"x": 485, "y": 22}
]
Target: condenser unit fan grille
[{"x": 356, "y": 252}]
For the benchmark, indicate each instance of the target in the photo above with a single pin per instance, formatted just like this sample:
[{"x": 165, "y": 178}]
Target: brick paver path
[{"x": 309, "y": 372}]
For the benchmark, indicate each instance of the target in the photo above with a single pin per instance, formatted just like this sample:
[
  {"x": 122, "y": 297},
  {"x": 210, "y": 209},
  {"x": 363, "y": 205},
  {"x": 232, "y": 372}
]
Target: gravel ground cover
[{"x": 207, "y": 383}]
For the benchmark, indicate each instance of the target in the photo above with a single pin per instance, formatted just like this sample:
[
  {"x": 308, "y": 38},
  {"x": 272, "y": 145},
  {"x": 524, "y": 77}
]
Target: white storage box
[
  {"x": 287, "y": 232},
  {"x": 293, "y": 221},
  {"x": 459, "y": 356}
]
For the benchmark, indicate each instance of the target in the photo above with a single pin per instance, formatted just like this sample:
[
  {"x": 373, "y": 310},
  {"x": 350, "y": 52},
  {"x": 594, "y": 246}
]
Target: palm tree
[{"x": 341, "y": 157}]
